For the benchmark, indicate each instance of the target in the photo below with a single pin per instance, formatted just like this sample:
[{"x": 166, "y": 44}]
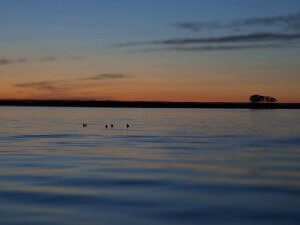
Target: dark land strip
[{"x": 148, "y": 104}]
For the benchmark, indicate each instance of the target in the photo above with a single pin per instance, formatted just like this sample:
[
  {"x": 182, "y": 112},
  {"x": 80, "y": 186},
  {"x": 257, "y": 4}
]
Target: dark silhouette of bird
[
  {"x": 127, "y": 125},
  {"x": 84, "y": 125},
  {"x": 106, "y": 126},
  {"x": 111, "y": 125}
]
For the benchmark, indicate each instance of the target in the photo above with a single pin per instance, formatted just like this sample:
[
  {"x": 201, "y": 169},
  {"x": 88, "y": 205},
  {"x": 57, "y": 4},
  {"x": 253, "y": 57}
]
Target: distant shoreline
[{"x": 144, "y": 104}]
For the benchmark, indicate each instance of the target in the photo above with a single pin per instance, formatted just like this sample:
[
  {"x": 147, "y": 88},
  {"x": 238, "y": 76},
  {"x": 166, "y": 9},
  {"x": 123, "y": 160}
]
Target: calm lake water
[{"x": 172, "y": 166}]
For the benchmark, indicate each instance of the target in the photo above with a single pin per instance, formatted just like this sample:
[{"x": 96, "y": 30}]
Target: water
[{"x": 172, "y": 166}]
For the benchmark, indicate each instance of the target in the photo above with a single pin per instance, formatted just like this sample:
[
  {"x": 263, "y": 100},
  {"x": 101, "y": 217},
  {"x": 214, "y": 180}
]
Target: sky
[{"x": 158, "y": 50}]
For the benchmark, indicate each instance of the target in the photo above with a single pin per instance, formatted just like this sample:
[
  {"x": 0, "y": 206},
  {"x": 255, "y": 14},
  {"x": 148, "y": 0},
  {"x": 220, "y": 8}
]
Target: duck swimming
[{"x": 84, "y": 125}]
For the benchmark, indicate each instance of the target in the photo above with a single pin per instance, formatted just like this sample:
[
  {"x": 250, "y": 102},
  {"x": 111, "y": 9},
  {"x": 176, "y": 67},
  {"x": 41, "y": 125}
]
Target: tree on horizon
[{"x": 261, "y": 99}]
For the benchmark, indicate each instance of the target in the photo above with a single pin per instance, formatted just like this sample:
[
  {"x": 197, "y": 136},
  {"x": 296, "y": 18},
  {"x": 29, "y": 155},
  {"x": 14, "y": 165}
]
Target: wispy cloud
[
  {"x": 198, "y": 26},
  {"x": 251, "y": 33},
  {"x": 235, "y": 42},
  {"x": 48, "y": 59},
  {"x": 287, "y": 22},
  {"x": 291, "y": 21},
  {"x": 63, "y": 85},
  {"x": 77, "y": 57},
  {"x": 49, "y": 86},
  {"x": 108, "y": 76},
  {"x": 43, "y": 59},
  {"x": 254, "y": 37},
  {"x": 220, "y": 47},
  {"x": 5, "y": 61}
]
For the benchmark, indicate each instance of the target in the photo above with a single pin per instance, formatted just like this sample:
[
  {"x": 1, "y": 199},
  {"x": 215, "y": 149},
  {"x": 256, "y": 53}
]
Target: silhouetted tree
[
  {"x": 262, "y": 99},
  {"x": 269, "y": 99},
  {"x": 256, "y": 98}
]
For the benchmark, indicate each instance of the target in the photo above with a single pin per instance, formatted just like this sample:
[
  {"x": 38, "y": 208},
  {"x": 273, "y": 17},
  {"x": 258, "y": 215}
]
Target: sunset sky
[{"x": 165, "y": 50}]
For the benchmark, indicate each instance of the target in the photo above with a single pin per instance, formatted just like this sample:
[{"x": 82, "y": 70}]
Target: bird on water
[
  {"x": 111, "y": 125},
  {"x": 106, "y": 126},
  {"x": 84, "y": 125},
  {"x": 127, "y": 125}
]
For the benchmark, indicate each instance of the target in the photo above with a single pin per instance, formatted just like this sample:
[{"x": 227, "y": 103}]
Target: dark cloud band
[
  {"x": 38, "y": 85},
  {"x": 106, "y": 77},
  {"x": 5, "y": 61},
  {"x": 284, "y": 30},
  {"x": 62, "y": 84},
  {"x": 290, "y": 22},
  {"x": 255, "y": 37},
  {"x": 244, "y": 41}
]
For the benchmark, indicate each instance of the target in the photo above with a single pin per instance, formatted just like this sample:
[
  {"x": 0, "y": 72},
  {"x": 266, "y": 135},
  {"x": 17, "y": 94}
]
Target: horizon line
[{"x": 143, "y": 101}]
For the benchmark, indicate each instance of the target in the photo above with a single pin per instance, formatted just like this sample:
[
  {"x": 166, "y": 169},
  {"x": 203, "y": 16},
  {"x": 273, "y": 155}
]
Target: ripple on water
[{"x": 171, "y": 167}]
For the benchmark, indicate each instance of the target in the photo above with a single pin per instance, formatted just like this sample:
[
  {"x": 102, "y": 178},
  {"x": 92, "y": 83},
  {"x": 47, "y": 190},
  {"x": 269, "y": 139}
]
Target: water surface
[{"x": 172, "y": 166}]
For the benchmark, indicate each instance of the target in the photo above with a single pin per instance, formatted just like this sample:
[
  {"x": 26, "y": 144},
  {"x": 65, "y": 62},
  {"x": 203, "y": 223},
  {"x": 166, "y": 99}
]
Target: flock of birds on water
[{"x": 106, "y": 126}]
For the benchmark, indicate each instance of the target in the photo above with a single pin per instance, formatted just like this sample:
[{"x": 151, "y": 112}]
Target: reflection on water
[{"x": 172, "y": 166}]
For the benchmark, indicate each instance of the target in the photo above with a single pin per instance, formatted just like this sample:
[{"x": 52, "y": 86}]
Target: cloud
[
  {"x": 254, "y": 37},
  {"x": 63, "y": 85},
  {"x": 5, "y": 61},
  {"x": 262, "y": 32},
  {"x": 108, "y": 76},
  {"x": 233, "y": 39},
  {"x": 48, "y": 59},
  {"x": 291, "y": 21},
  {"x": 287, "y": 22},
  {"x": 249, "y": 33},
  {"x": 220, "y": 47},
  {"x": 44, "y": 59},
  {"x": 198, "y": 26},
  {"x": 49, "y": 86},
  {"x": 77, "y": 57}
]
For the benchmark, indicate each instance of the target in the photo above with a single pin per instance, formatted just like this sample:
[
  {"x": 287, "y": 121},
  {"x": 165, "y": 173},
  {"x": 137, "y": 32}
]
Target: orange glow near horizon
[
  {"x": 143, "y": 90},
  {"x": 145, "y": 78},
  {"x": 144, "y": 85}
]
